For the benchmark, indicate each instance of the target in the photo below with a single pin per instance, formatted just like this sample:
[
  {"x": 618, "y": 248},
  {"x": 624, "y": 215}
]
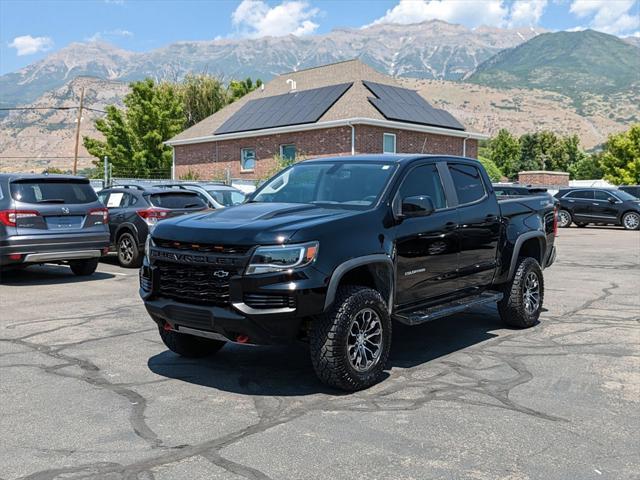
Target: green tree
[
  {"x": 492, "y": 169},
  {"x": 504, "y": 152},
  {"x": 572, "y": 151},
  {"x": 530, "y": 155},
  {"x": 621, "y": 157},
  {"x": 134, "y": 137},
  {"x": 239, "y": 88},
  {"x": 587, "y": 168},
  {"x": 202, "y": 95}
]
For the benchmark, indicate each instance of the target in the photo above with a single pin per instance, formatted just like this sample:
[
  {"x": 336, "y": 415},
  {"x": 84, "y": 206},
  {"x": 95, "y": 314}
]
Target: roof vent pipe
[{"x": 292, "y": 84}]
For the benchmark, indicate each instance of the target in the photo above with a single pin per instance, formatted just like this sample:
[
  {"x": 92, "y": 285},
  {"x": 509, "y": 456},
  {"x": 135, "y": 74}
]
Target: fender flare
[
  {"x": 342, "y": 269},
  {"x": 126, "y": 226},
  {"x": 518, "y": 245}
]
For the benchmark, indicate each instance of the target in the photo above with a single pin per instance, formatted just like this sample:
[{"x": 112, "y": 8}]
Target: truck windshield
[{"x": 351, "y": 184}]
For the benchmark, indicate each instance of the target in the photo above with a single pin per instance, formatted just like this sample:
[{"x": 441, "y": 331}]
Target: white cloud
[
  {"x": 109, "y": 34},
  {"x": 28, "y": 45},
  {"x": 468, "y": 12},
  {"x": 610, "y": 16},
  {"x": 255, "y": 18},
  {"x": 526, "y": 12}
]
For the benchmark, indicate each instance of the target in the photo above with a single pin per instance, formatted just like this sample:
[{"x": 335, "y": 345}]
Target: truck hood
[{"x": 249, "y": 223}]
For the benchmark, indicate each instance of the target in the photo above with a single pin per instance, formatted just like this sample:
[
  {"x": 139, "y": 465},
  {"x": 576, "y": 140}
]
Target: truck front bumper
[
  {"x": 223, "y": 323},
  {"x": 238, "y": 319}
]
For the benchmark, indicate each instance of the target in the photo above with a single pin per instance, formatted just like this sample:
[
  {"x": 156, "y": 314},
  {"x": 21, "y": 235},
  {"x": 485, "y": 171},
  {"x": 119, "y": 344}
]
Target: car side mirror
[
  {"x": 417, "y": 206},
  {"x": 611, "y": 200}
]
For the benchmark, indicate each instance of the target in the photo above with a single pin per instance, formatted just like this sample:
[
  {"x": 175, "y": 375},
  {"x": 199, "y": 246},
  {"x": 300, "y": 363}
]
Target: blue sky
[{"x": 31, "y": 29}]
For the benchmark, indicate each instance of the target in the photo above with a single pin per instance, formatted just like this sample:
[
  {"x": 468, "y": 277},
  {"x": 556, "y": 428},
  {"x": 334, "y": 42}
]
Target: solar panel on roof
[
  {"x": 294, "y": 108},
  {"x": 406, "y": 105}
]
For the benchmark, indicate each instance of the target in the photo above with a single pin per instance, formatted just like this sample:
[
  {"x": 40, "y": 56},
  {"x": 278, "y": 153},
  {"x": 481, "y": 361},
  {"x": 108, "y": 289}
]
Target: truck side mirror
[{"x": 418, "y": 206}]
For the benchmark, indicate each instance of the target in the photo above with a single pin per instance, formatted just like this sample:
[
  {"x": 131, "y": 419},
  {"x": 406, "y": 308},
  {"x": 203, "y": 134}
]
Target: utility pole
[
  {"x": 105, "y": 182},
  {"x": 75, "y": 156}
]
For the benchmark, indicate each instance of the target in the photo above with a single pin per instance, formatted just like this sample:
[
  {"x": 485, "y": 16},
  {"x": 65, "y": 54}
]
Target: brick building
[{"x": 339, "y": 109}]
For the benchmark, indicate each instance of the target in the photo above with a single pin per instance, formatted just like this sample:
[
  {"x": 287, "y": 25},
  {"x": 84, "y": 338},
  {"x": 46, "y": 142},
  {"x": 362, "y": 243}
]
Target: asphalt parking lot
[{"x": 87, "y": 389}]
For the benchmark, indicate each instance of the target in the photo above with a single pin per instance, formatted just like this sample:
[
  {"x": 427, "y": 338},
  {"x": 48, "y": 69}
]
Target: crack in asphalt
[{"x": 91, "y": 375}]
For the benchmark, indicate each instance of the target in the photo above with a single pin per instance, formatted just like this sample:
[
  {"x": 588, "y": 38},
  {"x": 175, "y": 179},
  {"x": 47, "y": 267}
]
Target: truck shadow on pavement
[
  {"x": 287, "y": 370},
  {"x": 46, "y": 275}
]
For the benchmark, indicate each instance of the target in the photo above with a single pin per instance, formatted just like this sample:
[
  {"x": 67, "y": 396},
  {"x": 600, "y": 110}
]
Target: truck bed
[{"x": 526, "y": 204}]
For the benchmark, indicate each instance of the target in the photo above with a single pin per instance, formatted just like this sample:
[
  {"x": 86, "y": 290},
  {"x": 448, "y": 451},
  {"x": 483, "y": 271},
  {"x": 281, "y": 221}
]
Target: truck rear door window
[
  {"x": 52, "y": 191},
  {"x": 467, "y": 182},
  {"x": 176, "y": 200}
]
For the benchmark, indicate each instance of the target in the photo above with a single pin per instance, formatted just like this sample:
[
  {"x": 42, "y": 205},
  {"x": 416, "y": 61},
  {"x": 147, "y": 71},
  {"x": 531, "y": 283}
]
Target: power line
[
  {"x": 37, "y": 108},
  {"x": 41, "y": 158},
  {"x": 50, "y": 108}
]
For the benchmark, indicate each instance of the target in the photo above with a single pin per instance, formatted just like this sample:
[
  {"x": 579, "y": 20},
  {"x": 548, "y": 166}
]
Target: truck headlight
[
  {"x": 148, "y": 243},
  {"x": 280, "y": 258}
]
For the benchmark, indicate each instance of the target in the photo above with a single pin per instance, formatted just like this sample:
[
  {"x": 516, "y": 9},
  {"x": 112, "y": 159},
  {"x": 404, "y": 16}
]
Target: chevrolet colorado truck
[{"x": 332, "y": 250}]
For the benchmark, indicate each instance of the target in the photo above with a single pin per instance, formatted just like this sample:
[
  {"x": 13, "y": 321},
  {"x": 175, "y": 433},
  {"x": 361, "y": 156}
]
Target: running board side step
[{"x": 422, "y": 315}]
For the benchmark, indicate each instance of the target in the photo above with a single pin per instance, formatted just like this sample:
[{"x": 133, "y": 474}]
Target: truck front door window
[{"x": 424, "y": 180}]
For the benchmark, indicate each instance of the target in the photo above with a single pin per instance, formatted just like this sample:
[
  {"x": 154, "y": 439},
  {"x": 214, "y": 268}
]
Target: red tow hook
[
  {"x": 242, "y": 339},
  {"x": 167, "y": 327}
]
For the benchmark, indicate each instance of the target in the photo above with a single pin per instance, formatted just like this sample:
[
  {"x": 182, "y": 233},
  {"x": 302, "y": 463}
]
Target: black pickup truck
[{"x": 330, "y": 251}]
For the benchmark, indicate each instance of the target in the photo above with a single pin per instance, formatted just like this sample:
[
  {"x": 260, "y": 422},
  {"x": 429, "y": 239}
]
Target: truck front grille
[
  {"x": 195, "y": 283},
  {"x": 203, "y": 247}
]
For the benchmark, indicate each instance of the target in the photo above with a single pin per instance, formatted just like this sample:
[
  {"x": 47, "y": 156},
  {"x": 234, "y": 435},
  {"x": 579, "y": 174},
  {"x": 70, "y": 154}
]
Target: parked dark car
[
  {"x": 330, "y": 250},
  {"x": 607, "y": 206},
  {"x": 631, "y": 189},
  {"x": 133, "y": 212},
  {"x": 51, "y": 219},
  {"x": 516, "y": 189},
  {"x": 216, "y": 195}
]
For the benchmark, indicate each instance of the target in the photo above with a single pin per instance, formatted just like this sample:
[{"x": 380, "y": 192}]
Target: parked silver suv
[
  {"x": 217, "y": 195},
  {"x": 51, "y": 218}
]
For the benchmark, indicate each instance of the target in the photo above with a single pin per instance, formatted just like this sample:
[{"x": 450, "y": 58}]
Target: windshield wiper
[
  {"x": 191, "y": 205},
  {"x": 51, "y": 200}
]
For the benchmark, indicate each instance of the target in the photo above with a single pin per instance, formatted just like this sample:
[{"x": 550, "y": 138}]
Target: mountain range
[
  {"x": 521, "y": 79},
  {"x": 433, "y": 49}
]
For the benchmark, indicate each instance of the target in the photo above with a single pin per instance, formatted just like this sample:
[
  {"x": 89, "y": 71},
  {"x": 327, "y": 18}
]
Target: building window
[
  {"x": 247, "y": 159},
  {"x": 389, "y": 143},
  {"x": 288, "y": 152}
]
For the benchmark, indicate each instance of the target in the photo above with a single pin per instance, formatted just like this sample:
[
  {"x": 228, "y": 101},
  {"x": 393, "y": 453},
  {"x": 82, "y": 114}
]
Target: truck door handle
[
  {"x": 595, "y": 203},
  {"x": 571, "y": 201}
]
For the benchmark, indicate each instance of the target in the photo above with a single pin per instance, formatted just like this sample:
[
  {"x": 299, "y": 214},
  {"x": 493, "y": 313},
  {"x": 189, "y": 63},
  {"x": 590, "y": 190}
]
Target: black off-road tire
[
  {"x": 512, "y": 306},
  {"x": 564, "y": 219},
  {"x": 133, "y": 257},
  {"x": 189, "y": 346},
  {"x": 329, "y": 334},
  {"x": 83, "y": 268}
]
